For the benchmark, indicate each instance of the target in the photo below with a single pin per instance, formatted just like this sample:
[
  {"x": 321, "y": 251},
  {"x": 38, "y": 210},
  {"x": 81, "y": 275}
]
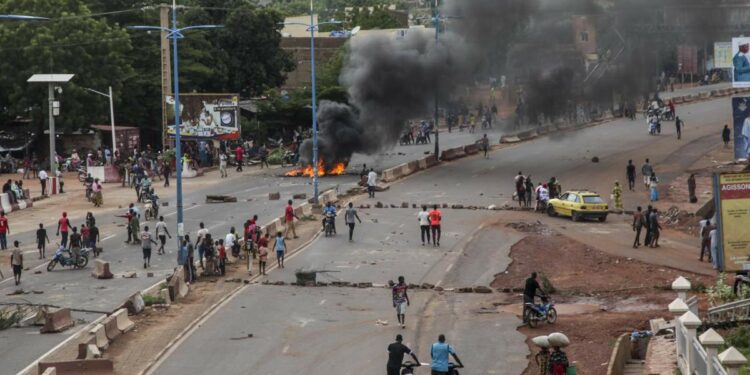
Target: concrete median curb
[
  {"x": 57, "y": 321},
  {"x": 101, "y": 270},
  {"x": 79, "y": 367}
]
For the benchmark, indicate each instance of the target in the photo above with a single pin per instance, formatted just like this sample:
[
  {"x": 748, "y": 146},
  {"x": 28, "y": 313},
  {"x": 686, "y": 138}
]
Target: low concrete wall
[{"x": 620, "y": 355}]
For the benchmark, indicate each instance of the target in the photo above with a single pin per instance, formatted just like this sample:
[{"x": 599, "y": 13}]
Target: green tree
[
  {"x": 72, "y": 43},
  {"x": 255, "y": 61}
]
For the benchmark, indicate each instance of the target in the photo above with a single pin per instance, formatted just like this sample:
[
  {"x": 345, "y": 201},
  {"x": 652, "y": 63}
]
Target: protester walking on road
[
  {"x": 691, "y": 188},
  {"x": 440, "y": 353},
  {"x": 396, "y": 353},
  {"x": 520, "y": 189},
  {"x": 222, "y": 251},
  {"x": 161, "y": 233},
  {"x": 223, "y": 165},
  {"x": 638, "y": 224},
  {"x": 400, "y": 300},
  {"x": 135, "y": 227},
  {"x": 4, "y": 231},
  {"x": 43, "y": 181},
  {"x": 725, "y": 135},
  {"x": 146, "y": 240},
  {"x": 679, "y": 124},
  {"x": 653, "y": 185},
  {"x": 231, "y": 243},
  {"x": 647, "y": 223},
  {"x": 529, "y": 191},
  {"x": 262, "y": 255},
  {"x": 655, "y": 227},
  {"x": 41, "y": 240},
  {"x": 280, "y": 246},
  {"x": 647, "y": 170},
  {"x": 202, "y": 234},
  {"x": 93, "y": 239},
  {"x": 436, "y": 218},
  {"x": 16, "y": 261},
  {"x": 423, "y": 217},
  {"x": 372, "y": 181},
  {"x": 486, "y": 146},
  {"x": 630, "y": 173},
  {"x": 63, "y": 224},
  {"x": 617, "y": 195},
  {"x": 289, "y": 217},
  {"x": 349, "y": 217},
  {"x": 238, "y": 156}
]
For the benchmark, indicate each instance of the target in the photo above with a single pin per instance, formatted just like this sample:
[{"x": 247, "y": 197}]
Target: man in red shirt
[
  {"x": 289, "y": 217},
  {"x": 239, "y": 154},
  {"x": 62, "y": 227},
  {"x": 435, "y": 218},
  {"x": 4, "y": 230}
]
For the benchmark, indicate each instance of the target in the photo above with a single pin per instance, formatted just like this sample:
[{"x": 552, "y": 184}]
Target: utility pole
[{"x": 166, "y": 69}]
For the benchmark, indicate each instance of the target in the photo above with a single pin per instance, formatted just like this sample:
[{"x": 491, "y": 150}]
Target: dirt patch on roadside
[
  {"x": 574, "y": 268},
  {"x": 627, "y": 293}
]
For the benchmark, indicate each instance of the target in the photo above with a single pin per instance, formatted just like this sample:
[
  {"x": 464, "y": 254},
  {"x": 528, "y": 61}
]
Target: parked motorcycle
[
  {"x": 65, "y": 259},
  {"x": 544, "y": 311}
]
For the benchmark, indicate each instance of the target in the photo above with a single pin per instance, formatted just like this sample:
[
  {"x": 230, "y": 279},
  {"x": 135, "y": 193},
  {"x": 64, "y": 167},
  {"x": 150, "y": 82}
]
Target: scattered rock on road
[{"x": 274, "y": 196}]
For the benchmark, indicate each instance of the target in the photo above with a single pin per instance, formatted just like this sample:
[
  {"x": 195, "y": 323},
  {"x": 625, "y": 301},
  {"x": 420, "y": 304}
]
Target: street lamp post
[
  {"x": 51, "y": 80},
  {"x": 111, "y": 114},
  {"x": 175, "y": 34},
  {"x": 312, "y": 26},
  {"x": 437, "y": 20}
]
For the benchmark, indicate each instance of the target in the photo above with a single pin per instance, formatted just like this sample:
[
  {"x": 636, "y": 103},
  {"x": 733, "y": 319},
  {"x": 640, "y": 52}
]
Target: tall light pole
[
  {"x": 437, "y": 20},
  {"x": 111, "y": 114},
  {"x": 175, "y": 34},
  {"x": 54, "y": 110},
  {"x": 312, "y": 26},
  {"x": 18, "y": 17}
]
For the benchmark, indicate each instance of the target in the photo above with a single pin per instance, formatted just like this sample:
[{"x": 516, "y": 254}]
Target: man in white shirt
[
  {"x": 202, "y": 233},
  {"x": 43, "y": 180},
  {"x": 230, "y": 242},
  {"x": 162, "y": 233},
  {"x": 424, "y": 223},
  {"x": 223, "y": 164},
  {"x": 372, "y": 181},
  {"x": 542, "y": 196},
  {"x": 714, "y": 247}
]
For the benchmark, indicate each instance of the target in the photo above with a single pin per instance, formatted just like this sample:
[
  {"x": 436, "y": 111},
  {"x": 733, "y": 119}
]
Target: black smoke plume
[{"x": 392, "y": 80}]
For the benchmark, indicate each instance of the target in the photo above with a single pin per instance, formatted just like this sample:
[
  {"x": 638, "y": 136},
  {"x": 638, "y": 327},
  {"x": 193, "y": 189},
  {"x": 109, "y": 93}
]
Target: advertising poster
[
  {"x": 740, "y": 62},
  {"x": 741, "y": 122},
  {"x": 722, "y": 55},
  {"x": 207, "y": 116},
  {"x": 734, "y": 205}
]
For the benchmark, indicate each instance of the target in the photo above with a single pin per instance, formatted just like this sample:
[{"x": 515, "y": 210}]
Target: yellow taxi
[{"x": 579, "y": 204}]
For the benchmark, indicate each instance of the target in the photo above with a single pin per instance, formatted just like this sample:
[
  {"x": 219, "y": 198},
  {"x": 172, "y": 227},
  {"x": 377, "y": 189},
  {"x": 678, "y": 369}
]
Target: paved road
[
  {"x": 472, "y": 181},
  {"x": 389, "y": 247},
  {"x": 76, "y": 289}
]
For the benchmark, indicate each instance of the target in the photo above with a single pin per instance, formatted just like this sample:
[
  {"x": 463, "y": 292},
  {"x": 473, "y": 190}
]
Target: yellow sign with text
[{"x": 734, "y": 194}]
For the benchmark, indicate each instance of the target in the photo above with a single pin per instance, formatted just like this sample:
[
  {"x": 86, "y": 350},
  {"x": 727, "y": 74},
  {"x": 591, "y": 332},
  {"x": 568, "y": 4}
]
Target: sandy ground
[{"x": 599, "y": 296}]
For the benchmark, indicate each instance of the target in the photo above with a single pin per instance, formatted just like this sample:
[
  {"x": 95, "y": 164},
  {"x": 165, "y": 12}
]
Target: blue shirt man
[
  {"x": 440, "y": 352},
  {"x": 741, "y": 64}
]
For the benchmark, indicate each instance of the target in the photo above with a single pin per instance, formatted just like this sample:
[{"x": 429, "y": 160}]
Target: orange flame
[{"x": 337, "y": 169}]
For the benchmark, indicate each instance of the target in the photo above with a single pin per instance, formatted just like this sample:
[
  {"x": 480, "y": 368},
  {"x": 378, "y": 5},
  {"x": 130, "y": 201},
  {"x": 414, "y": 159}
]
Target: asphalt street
[
  {"x": 77, "y": 289},
  {"x": 385, "y": 249},
  {"x": 470, "y": 181}
]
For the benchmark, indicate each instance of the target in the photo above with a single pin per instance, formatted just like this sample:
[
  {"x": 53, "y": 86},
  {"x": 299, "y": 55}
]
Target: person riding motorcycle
[
  {"x": 154, "y": 202},
  {"x": 529, "y": 292},
  {"x": 329, "y": 211},
  {"x": 146, "y": 188}
]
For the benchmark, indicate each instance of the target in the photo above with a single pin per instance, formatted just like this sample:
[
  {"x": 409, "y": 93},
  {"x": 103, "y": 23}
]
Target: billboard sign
[
  {"x": 741, "y": 123},
  {"x": 205, "y": 116},
  {"x": 722, "y": 55},
  {"x": 734, "y": 220},
  {"x": 740, "y": 62}
]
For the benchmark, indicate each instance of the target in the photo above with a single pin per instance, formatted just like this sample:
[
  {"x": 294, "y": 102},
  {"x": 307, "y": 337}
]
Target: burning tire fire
[{"x": 335, "y": 170}]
